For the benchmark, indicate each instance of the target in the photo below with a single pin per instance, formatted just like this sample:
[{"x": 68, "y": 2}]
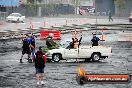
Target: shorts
[
  {"x": 26, "y": 51},
  {"x": 39, "y": 70}
]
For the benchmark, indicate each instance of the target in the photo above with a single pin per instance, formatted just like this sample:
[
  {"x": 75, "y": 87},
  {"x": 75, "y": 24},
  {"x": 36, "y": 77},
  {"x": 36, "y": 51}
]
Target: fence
[
  {"x": 46, "y": 9},
  {"x": 102, "y": 13},
  {"x": 3, "y": 15}
]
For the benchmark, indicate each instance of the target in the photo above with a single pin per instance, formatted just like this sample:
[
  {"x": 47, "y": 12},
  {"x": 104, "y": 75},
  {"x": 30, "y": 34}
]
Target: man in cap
[
  {"x": 110, "y": 16},
  {"x": 49, "y": 42},
  {"x": 32, "y": 44},
  {"x": 95, "y": 40},
  {"x": 40, "y": 60},
  {"x": 25, "y": 48}
]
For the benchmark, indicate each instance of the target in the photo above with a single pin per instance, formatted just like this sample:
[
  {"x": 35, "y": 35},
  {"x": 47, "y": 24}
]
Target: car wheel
[
  {"x": 7, "y": 21},
  {"x": 95, "y": 57},
  {"x": 56, "y": 57},
  {"x": 23, "y": 21},
  {"x": 17, "y": 20}
]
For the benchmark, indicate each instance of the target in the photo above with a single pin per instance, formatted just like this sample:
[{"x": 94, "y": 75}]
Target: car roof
[
  {"x": 15, "y": 13},
  {"x": 65, "y": 41},
  {"x": 68, "y": 40}
]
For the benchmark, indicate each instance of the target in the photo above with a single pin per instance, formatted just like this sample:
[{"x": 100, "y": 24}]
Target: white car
[
  {"x": 88, "y": 53},
  {"x": 15, "y": 17}
]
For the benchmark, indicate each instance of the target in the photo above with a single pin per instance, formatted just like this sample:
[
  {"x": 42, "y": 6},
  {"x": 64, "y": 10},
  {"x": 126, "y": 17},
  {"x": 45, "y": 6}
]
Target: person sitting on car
[
  {"x": 49, "y": 42},
  {"x": 75, "y": 43},
  {"x": 95, "y": 40}
]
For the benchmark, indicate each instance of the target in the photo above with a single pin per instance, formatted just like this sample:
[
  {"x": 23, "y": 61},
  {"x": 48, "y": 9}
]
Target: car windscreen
[
  {"x": 63, "y": 44},
  {"x": 16, "y": 15}
]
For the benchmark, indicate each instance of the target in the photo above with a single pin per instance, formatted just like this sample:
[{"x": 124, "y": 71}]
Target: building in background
[
  {"x": 9, "y": 3},
  {"x": 103, "y": 6},
  {"x": 5, "y": 4},
  {"x": 126, "y": 10},
  {"x": 86, "y": 7},
  {"x": 51, "y": 7},
  {"x": 58, "y": 1}
]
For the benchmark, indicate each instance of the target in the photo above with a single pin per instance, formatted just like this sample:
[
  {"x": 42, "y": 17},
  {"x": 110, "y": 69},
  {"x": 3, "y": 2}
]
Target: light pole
[
  {"x": 95, "y": 3},
  {"x": 36, "y": 7},
  {"x": 11, "y": 6},
  {"x": 75, "y": 7}
]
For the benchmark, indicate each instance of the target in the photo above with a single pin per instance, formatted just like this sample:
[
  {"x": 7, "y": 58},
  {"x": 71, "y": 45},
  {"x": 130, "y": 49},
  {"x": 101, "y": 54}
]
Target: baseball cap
[
  {"x": 51, "y": 34},
  {"x": 40, "y": 48}
]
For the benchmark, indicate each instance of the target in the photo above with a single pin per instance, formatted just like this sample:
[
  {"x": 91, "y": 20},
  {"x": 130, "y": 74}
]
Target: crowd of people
[
  {"x": 76, "y": 42},
  {"x": 28, "y": 47},
  {"x": 39, "y": 57}
]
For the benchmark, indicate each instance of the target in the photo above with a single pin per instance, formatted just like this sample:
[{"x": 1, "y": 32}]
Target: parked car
[
  {"x": 91, "y": 11},
  {"x": 88, "y": 53},
  {"x": 130, "y": 17},
  {"x": 15, "y": 17}
]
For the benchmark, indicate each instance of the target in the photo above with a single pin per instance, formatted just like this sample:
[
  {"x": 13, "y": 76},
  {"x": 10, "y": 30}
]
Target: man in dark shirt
[
  {"x": 110, "y": 15},
  {"x": 95, "y": 40},
  {"x": 40, "y": 60},
  {"x": 49, "y": 42},
  {"x": 25, "y": 48}
]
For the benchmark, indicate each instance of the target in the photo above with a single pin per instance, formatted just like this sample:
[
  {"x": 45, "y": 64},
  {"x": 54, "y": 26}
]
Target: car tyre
[
  {"x": 7, "y": 21},
  {"x": 22, "y": 21},
  {"x": 17, "y": 20},
  {"x": 95, "y": 57},
  {"x": 56, "y": 57}
]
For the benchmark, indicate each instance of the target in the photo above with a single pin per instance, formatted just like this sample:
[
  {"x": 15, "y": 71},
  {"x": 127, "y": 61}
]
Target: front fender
[{"x": 55, "y": 51}]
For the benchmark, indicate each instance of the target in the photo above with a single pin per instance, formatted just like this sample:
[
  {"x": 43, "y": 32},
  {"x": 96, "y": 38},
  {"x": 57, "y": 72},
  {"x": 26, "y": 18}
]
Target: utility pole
[
  {"x": 95, "y": 11},
  {"x": 11, "y": 6},
  {"x": 75, "y": 4},
  {"x": 36, "y": 7}
]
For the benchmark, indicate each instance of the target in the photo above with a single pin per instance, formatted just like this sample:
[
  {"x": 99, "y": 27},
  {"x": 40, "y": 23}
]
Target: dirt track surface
[{"x": 63, "y": 74}]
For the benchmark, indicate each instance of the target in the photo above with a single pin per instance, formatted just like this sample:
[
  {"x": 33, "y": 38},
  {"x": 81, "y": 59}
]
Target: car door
[
  {"x": 85, "y": 52},
  {"x": 71, "y": 53}
]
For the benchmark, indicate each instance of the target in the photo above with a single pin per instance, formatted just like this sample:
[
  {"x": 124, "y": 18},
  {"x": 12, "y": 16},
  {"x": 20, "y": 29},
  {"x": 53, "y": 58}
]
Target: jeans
[{"x": 33, "y": 53}]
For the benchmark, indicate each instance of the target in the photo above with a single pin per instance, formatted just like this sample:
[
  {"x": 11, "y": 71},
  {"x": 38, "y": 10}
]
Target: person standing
[
  {"x": 40, "y": 60},
  {"x": 25, "y": 48},
  {"x": 32, "y": 45},
  {"x": 110, "y": 16},
  {"x": 95, "y": 40}
]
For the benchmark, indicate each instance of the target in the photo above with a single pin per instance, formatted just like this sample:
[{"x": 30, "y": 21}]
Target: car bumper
[
  {"x": 106, "y": 54},
  {"x": 49, "y": 56},
  {"x": 11, "y": 20}
]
